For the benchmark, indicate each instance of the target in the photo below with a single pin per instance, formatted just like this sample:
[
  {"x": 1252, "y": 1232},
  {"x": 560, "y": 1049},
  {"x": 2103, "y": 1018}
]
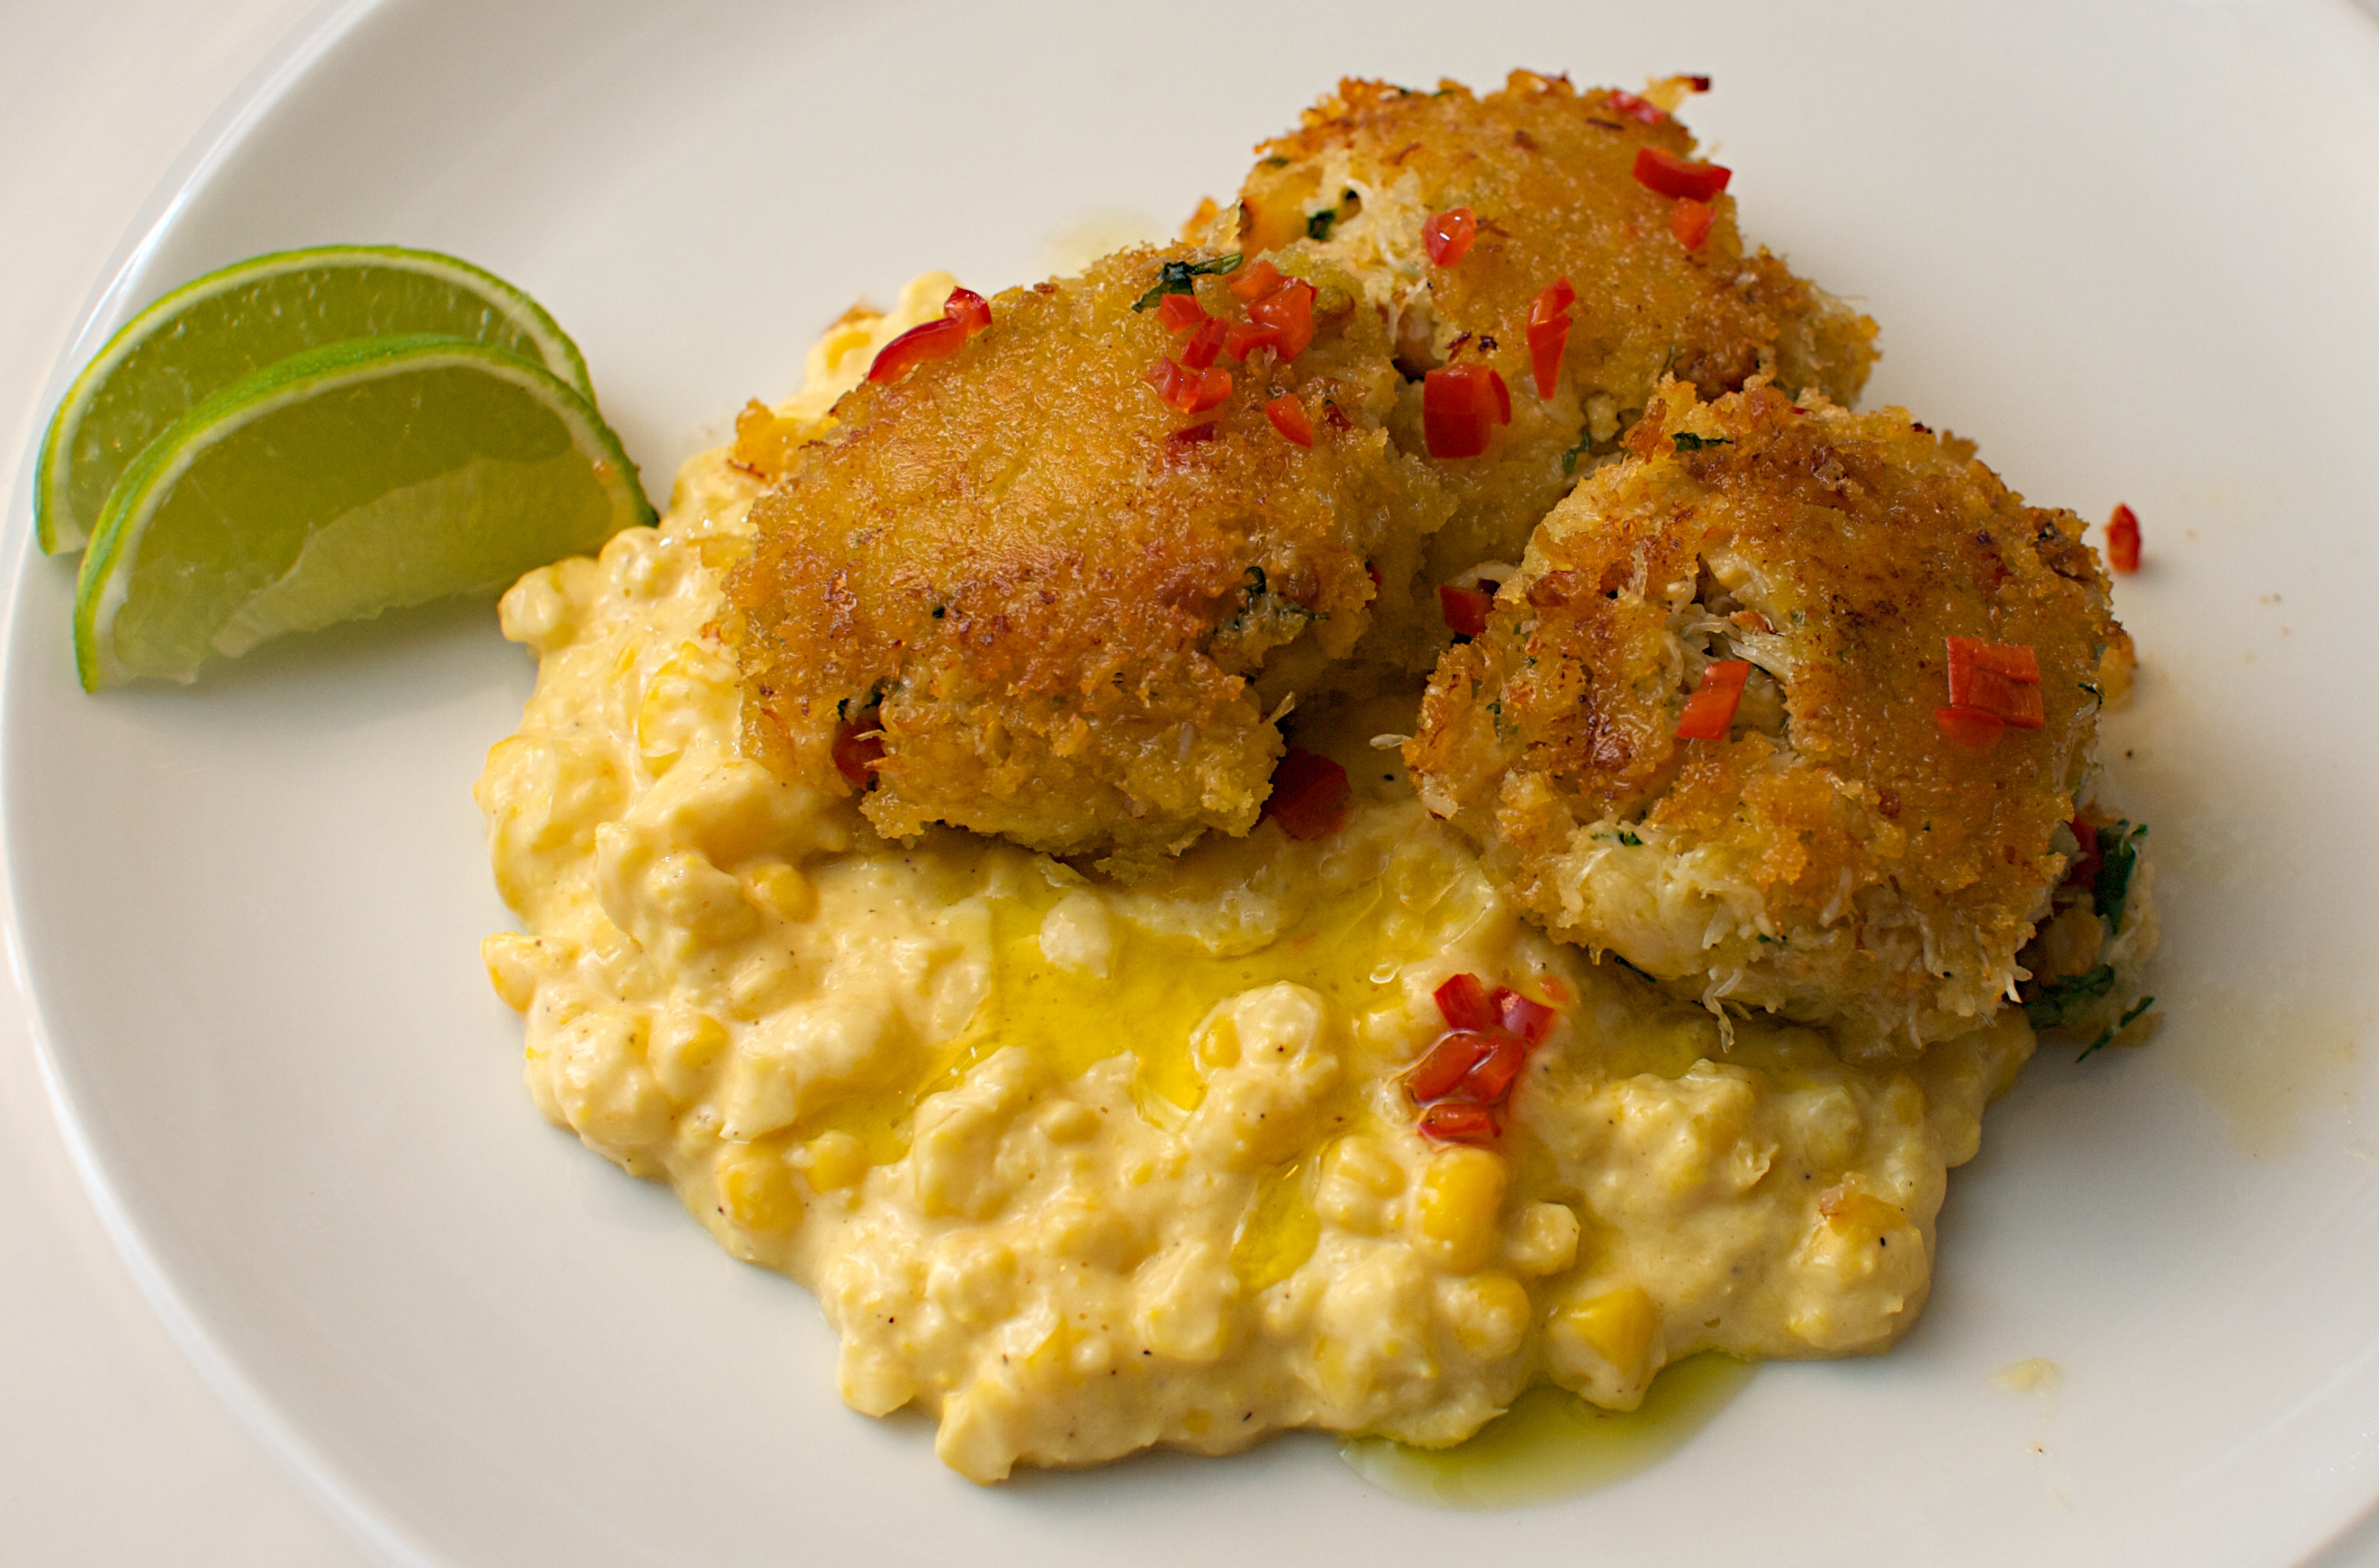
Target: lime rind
[
  {"x": 132, "y": 389},
  {"x": 397, "y": 526}
]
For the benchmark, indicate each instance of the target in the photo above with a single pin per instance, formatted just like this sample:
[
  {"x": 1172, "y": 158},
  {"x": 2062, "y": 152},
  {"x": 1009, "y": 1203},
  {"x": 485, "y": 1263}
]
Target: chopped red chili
[
  {"x": 1663, "y": 171},
  {"x": 1463, "y": 1003},
  {"x": 2123, "y": 540},
  {"x": 1288, "y": 308},
  {"x": 1185, "y": 390},
  {"x": 1699, "y": 84},
  {"x": 1636, "y": 108},
  {"x": 968, "y": 308},
  {"x": 857, "y": 747},
  {"x": 1999, "y": 679},
  {"x": 1179, "y": 312},
  {"x": 1549, "y": 333},
  {"x": 2014, "y": 660},
  {"x": 1255, "y": 282},
  {"x": 926, "y": 340},
  {"x": 1710, "y": 709},
  {"x": 1449, "y": 235},
  {"x": 1246, "y": 337},
  {"x": 1492, "y": 1080},
  {"x": 1205, "y": 342},
  {"x": 1460, "y": 406},
  {"x": 1530, "y": 1020},
  {"x": 1453, "y": 1055},
  {"x": 1456, "y": 1122},
  {"x": 1310, "y": 795},
  {"x": 1288, "y": 417},
  {"x": 2088, "y": 859},
  {"x": 1689, "y": 221},
  {"x": 1465, "y": 608}
]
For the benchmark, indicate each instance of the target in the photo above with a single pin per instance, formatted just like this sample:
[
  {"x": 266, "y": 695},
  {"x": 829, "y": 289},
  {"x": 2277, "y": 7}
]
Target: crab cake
[
  {"x": 1548, "y": 174},
  {"x": 1025, "y": 590},
  {"x": 1856, "y": 846}
]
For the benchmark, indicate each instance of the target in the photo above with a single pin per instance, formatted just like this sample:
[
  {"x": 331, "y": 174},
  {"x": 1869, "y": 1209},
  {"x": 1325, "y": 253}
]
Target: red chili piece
[
  {"x": 968, "y": 308},
  {"x": 1549, "y": 333},
  {"x": 1635, "y": 108},
  {"x": 926, "y": 340},
  {"x": 1465, "y": 608},
  {"x": 1310, "y": 795},
  {"x": 1999, "y": 679},
  {"x": 1460, "y": 406},
  {"x": 1699, "y": 84},
  {"x": 1185, "y": 390},
  {"x": 1660, "y": 170},
  {"x": 1710, "y": 709},
  {"x": 1179, "y": 312},
  {"x": 1205, "y": 342},
  {"x": 856, "y": 748},
  {"x": 1689, "y": 221},
  {"x": 1253, "y": 283},
  {"x": 1471, "y": 1068},
  {"x": 1246, "y": 337},
  {"x": 1446, "y": 1064},
  {"x": 2084, "y": 872},
  {"x": 1290, "y": 308},
  {"x": 2123, "y": 540},
  {"x": 1463, "y": 1003},
  {"x": 1452, "y": 1121},
  {"x": 1525, "y": 1016},
  {"x": 1288, "y": 417},
  {"x": 1449, "y": 235},
  {"x": 1491, "y": 1080}
]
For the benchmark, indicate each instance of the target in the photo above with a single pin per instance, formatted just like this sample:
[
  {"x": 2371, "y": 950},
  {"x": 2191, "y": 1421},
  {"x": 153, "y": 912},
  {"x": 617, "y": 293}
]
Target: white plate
[{"x": 2132, "y": 247}]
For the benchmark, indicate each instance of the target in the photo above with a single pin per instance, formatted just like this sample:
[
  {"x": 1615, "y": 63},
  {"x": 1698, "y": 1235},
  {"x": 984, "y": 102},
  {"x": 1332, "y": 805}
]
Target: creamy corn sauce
[{"x": 1080, "y": 1168}]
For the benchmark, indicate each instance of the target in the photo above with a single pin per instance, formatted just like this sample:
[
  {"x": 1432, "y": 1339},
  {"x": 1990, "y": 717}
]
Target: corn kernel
[
  {"x": 511, "y": 965},
  {"x": 782, "y": 891},
  {"x": 834, "y": 1161},
  {"x": 1617, "y": 1325},
  {"x": 1367, "y": 1164},
  {"x": 756, "y": 1189},
  {"x": 1489, "y": 1313},
  {"x": 1859, "y": 1216},
  {"x": 1460, "y": 1193},
  {"x": 685, "y": 1045}
]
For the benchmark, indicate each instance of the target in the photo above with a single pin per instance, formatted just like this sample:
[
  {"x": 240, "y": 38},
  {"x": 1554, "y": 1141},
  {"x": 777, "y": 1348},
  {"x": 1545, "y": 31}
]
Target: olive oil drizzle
[{"x": 1551, "y": 1444}]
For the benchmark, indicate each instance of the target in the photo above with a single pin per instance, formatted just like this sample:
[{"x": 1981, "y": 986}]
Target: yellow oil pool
[{"x": 1552, "y": 1445}]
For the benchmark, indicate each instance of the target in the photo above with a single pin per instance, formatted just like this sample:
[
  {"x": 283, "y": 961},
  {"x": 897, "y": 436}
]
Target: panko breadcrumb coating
[
  {"x": 1070, "y": 610},
  {"x": 1548, "y": 171},
  {"x": 1834, "y": 857}
]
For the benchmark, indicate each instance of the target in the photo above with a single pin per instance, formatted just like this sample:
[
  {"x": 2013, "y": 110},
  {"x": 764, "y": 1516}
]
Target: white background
[{"x": 111, "y": 1449}]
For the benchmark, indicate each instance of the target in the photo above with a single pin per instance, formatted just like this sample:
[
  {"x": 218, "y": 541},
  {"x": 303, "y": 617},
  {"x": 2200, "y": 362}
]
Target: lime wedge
[
  {"x": 205, "y": 336},
  {"x": 341, "y": 482}
]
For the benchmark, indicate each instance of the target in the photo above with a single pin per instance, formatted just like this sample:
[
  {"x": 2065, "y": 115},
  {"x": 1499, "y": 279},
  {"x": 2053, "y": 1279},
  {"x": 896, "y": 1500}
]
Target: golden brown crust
[
  {"x": 1076, "y": 606},
  {"x": 1549, "y": 171},
  {"x": 1867, "y": 870}
]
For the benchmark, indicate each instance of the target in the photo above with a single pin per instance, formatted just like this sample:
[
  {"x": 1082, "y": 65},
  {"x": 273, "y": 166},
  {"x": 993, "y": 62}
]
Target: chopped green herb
[
  {"x": 1584, "y": 444},
  {"x": 2118, "y": 851},
  {"x": 1181, "y": 277},
  {"x": 2056, "y": 1000},
  {"x": 1275, "y": 162},
  {"x": 1685, "y": 441},
  {"x": 1643, "y": 974},
  {"x": 938, "y": 611},
  {"x": 1317, "y": 225},
  {"x": 1627, "y": 836},
  {"x": 2106, "y": 1036}
]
